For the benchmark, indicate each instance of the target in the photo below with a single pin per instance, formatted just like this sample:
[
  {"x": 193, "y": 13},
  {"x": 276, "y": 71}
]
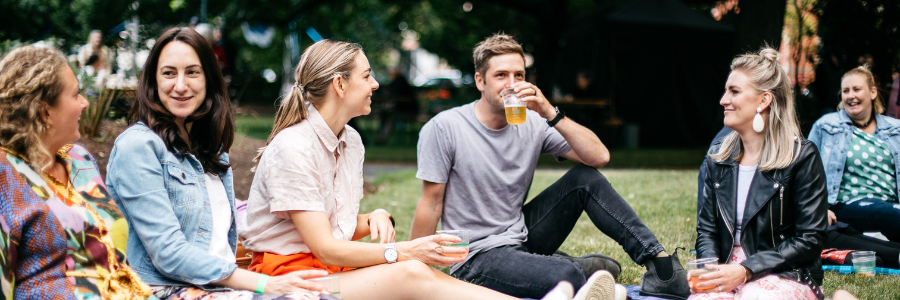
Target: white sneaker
[
  {"x": 562, "y": 291},
  {"x": 621, "y": 292},
  {"x": 601, "y": 286}
]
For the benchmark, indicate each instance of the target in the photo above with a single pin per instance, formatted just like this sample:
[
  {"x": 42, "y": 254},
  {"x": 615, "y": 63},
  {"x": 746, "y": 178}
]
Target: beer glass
[
  {"x": 697, "y": 268},
  {"x": 515, "y": 108},
  {"x": 463, "y": 241}
]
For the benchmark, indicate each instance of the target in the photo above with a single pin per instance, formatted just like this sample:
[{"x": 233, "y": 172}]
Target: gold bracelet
[{"x": 747, "y": 274}]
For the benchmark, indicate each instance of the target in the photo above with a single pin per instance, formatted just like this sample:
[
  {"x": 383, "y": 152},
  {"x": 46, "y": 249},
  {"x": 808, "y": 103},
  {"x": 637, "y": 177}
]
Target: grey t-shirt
[{"x": 488, "y": 172}]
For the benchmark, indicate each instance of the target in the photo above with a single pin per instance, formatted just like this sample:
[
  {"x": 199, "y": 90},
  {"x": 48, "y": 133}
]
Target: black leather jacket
[{"x": 784, "y": 221}]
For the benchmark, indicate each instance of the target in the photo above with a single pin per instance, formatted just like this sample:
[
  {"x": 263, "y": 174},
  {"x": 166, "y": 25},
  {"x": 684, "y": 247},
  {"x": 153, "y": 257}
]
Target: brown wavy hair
[
  {"x": 29, "y": 77},
  {"x": 212, "y": 124}
]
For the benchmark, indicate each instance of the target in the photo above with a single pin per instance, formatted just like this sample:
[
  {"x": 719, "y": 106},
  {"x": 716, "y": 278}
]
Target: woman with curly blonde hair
[{"x": 60, "y": 229}]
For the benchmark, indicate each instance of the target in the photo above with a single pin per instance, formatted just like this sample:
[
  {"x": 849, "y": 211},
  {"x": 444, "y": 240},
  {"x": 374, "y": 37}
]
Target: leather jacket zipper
[
  {"x": 781, "y": 203},
  {"x": 731, "y": 231}
]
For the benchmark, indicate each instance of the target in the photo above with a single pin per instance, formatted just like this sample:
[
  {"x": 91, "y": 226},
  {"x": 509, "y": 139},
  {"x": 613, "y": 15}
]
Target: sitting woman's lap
[
  {"x": 768, "y": 287},
  {"x": 192, "y": 293}
]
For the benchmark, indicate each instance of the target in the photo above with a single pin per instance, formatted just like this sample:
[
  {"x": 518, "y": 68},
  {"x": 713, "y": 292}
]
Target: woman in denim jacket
[
  {"x": 859, "y": 149},
  {"x": 169, "y": 173}
]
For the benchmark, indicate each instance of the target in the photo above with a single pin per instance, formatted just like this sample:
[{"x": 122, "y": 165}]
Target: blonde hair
[
  {"x": 864, "y": 71},
  {"x": 497, "y": 44},
  {"x": 779, "y": 147},
  {"x": 319, "y": 64},
  {"x": 29, "y": 76}
]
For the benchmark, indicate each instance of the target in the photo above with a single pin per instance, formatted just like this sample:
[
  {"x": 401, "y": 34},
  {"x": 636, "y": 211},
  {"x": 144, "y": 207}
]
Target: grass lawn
[{"x": 664, "y": 199}]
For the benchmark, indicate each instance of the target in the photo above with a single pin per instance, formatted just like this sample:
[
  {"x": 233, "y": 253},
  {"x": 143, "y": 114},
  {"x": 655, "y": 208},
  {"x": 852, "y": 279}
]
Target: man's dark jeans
[{"x": 528, "y": 270}]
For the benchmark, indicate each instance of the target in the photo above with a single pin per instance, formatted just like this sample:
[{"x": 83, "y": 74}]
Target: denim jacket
[
  {"x": 832, "y": 134},
  {"x": 164, "y": 199}
]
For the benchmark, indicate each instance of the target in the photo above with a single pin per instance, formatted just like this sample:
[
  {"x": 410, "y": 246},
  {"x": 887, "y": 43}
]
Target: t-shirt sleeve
[
  {"x": 554, "y": 143},
  {"x": 434, "y": 152},
  {"x": 293, "y": 181}
]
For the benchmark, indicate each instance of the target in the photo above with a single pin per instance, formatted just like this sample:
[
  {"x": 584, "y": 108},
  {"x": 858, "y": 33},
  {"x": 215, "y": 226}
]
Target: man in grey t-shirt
[{"x": 477, "y": 169}]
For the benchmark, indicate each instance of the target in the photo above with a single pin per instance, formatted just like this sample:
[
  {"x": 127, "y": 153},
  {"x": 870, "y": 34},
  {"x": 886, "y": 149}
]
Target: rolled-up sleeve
[{"x": 137, "y": 175}]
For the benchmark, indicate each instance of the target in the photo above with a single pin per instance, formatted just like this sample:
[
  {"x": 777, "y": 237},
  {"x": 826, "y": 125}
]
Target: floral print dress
[{"x": 82, "y": 215}]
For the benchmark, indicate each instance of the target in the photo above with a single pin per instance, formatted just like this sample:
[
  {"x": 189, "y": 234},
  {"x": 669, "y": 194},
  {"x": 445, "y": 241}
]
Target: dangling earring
[{"x": 758, "y": 124}]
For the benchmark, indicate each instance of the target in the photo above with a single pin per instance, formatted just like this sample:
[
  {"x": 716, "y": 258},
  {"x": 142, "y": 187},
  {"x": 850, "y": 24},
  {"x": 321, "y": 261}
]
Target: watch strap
[{"x": 559, "y": 116}]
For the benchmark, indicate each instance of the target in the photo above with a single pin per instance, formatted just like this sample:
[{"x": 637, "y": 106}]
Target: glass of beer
[
  {"x": 515, "y": 108},
  {"x": 699, "y": 267},
  {"x": 463, "y": 241}
]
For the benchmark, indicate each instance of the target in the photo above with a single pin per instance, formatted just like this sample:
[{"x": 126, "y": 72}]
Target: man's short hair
[{"x": 497, "y": 44}]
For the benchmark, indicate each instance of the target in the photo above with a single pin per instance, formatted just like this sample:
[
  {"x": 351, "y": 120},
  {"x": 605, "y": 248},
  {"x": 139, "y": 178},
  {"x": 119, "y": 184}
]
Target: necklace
[{"x": 861, "y": 126}]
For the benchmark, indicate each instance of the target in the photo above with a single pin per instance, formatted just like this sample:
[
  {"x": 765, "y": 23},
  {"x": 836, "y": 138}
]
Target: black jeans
[
  {"x": 847, "y": 238},
  {"x": 871, "y": 215},
  {"x": 528, "y": 270}
]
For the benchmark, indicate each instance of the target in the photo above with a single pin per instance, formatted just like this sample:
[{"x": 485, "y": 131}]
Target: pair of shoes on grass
[{"x": 600, "y": 286}]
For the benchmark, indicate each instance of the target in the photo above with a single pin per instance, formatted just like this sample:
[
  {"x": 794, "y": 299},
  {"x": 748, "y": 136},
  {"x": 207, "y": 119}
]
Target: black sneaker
[
  {"x": 592, "y": 263},
  {"x": 675, "y": 287}
]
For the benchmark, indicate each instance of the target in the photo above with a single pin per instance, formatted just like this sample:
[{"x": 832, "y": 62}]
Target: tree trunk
[{"x": 759, "y": 23}]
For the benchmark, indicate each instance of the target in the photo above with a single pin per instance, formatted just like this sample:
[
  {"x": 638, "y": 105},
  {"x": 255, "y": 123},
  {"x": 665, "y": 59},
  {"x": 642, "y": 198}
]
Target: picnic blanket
[
  {"x": 849, "y": 269},
  {"x": 633, "y": 293}
]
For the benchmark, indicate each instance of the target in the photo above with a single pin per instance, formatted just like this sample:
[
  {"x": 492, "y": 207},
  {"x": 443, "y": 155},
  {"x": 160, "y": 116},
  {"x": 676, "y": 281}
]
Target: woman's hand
[
  {"x": 725, "y": 278},
  {"x": 380, "y": 225},
  {"x": 295, "y": 282},
  {"x": 425, "y": 249},
  {"x": 832, "y": 219}
]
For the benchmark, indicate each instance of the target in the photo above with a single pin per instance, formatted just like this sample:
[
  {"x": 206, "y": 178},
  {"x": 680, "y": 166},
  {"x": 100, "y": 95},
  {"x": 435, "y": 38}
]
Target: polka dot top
[{"x": 868, "y": 172}]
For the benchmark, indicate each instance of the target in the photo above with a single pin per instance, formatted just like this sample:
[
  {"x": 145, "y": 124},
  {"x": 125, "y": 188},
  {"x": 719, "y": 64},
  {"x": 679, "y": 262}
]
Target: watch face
[{"x": 390, "y": 254}]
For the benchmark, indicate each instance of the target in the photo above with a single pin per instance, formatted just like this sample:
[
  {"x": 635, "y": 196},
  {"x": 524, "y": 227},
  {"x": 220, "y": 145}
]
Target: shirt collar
[{"x": 323, "y": 131}]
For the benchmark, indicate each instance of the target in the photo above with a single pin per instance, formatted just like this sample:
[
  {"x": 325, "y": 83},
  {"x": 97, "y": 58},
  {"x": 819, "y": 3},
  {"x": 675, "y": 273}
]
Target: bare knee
[{"x": 414, "y": 270}]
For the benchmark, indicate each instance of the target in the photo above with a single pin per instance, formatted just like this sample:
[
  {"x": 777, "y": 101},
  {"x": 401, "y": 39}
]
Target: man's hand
[{"x": 534, "y": 99}]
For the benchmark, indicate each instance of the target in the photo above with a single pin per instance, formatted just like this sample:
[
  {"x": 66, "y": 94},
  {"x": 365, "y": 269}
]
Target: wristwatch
[
  {"x": 390, "y": 253},
  {"x": 559, "y": 116}
]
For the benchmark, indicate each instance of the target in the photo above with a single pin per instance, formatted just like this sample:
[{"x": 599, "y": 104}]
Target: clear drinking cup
[
  {"x": 864, "y": 263},
  {"x": 463, "y": 241},
  {"x": 699, "y": 267},
  {"x": 331, "y": 283},
  {"x": 515, "y": 108}
]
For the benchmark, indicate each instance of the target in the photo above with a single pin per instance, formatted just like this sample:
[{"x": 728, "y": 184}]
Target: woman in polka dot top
[{"x": 859, "y": 148}]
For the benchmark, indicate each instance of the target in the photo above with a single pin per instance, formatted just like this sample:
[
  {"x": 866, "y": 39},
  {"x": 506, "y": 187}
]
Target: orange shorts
[{"x": 275, "y": 265}]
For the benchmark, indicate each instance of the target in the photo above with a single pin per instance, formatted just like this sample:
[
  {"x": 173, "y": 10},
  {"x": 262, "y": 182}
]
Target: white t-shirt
[
  {"x": 745, "y": 177},
  {"x": 221, "y": 218}
]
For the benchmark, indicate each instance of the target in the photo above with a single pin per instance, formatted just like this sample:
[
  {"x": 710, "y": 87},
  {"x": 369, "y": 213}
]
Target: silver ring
[{"x": 720, "y": 289}]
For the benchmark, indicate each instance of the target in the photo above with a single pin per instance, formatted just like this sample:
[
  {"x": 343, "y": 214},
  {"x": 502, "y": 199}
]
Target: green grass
[
  {"x": 257, "y": 127},
  {"x": 664, "y": 199}
]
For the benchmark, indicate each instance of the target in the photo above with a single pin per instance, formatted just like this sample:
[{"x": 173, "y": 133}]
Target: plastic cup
[
  {"x": 463, "y": 241},
  {"x": 864, "y": 263},
  {"x": 331, "y": 283},
  {"x": 699, "y": 267},
  {"x": 515, "y": 108}
]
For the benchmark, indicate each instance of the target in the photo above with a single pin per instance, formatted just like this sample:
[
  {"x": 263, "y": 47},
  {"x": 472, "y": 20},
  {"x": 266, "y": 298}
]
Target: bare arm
[
  {"x": 242, "y": 279},
  {"x": 586, "y": 146},
  {"x": 428, "y": 210},
  {"x": 315, "y": 229}
]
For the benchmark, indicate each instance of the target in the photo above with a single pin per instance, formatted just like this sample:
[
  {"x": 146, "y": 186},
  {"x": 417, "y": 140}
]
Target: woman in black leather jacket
[{"x": 764, "y": 200}]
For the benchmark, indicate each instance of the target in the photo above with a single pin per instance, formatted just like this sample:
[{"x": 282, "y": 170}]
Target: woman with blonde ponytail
[
  {"x": 763, "y": 206},
  {"x": 303, "y": 210}
]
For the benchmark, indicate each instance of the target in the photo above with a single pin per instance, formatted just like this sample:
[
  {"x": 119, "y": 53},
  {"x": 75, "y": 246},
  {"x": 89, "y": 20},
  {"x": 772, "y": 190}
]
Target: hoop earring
[{"x": 758, "y": 124}]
